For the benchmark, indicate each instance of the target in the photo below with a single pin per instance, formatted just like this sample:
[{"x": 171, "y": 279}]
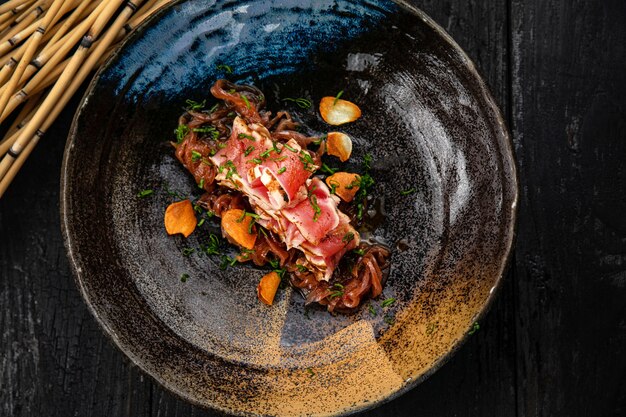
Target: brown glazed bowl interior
[{"x": 430, "y": 125}]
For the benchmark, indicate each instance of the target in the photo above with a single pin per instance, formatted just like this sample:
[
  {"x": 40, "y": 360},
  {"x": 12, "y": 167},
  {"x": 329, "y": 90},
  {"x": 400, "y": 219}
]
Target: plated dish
[
  {"x": 278, "y": 201},
  {"x": 193, "y": 322}
]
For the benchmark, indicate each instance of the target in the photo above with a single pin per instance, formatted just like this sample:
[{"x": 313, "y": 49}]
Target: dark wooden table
[{"x": 554, "y": 343}]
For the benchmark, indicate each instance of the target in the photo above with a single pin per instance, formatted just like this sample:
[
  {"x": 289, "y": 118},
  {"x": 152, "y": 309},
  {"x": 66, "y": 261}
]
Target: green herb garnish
[
  {"x": 355, "y": 183},
  {"x": 257, "y": 161},
  {"x": 245, "y": 100},
  {"x": 302, "y": 268},
  {"x": 265, "y": 154},
  {"x": 407, "y": 192},
  {"x": 389, "y": 320},
  {"x": 365, "y": 183},
  {"x": 294, "y": 150},
  {"x": 367, "y": 162},
  {"x": 213, "y": 247},
  {"x": 201, "y": 184},
  {"x": 333, "y": 187},
  {"x": 188, "y": 251},
  {"x": 181, "y": 131},
  {"x": 328, "y": 170},
  {"x": 320, "y": 140},
  {"x": 337, "y": 97},
  {"x": 194, "y": 105},
  {"x": 232, "y": 169},
  {"x": 372, "y": 310},
  {"x": 144, "y": 193},
  {"x": 310, "y": 371},
  {"x": 474, "y": 328},
  {"x": 275, "y": 264},
  {"x": 348, "y": 237},
  {"x": 201, "y": 222},
  {"x": 315, "y": 206},
  {"x": 195, "y": 156},
  {"x": 301, "y": 102},
  {"x": 387, "y": 302},
  {"x": 248, "y": 150},
  {"x": 359, "y": 252},
  {"x": 244, "y": 136},
  {"x": 430, "y": 329},
  {"x": 208, "y": 129},
  {"x": 225, "y": 68},
  {"x": 281, "y": 170},
  {"x": 227, "y": 261},
  {"x": 184, "y": 277}
]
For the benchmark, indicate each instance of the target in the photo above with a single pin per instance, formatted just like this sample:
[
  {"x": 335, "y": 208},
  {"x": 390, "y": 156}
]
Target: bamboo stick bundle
[{"x": 48, "y": 48}]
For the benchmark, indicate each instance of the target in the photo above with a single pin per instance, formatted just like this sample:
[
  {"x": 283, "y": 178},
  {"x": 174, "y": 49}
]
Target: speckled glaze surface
[{"x": 430, "y": 124}]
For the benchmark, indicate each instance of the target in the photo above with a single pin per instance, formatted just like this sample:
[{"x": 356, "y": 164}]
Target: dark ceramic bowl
[{"x": 430, "y": 124}]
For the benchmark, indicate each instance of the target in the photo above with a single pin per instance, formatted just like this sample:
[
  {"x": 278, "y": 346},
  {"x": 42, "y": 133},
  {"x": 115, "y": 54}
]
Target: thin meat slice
[
  {"x": 317, "y": 215},
  {"x": 328, "y": 252}
]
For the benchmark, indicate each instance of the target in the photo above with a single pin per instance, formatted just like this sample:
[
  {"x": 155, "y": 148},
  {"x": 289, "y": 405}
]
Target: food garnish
[
  {"x": 336, "y": 111},
  {"x": 266, "y": 290},
  {"x": 239, "y": 227},
  {"x": 263, "y": 175},
  {"x": 344, "y": 184},
  {"x": 180, "y": 218},
  {"x": 339, "y": 145}
]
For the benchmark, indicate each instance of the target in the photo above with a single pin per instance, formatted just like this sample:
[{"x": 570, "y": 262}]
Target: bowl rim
[{"x": 504, "y": 266}]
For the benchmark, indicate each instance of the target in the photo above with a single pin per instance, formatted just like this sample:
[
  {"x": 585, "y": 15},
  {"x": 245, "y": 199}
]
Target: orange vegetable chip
[
  {"x": 266, "y": 290},
  {"x": 180, "y": 218},
  {"x": 239, "y": 227}
]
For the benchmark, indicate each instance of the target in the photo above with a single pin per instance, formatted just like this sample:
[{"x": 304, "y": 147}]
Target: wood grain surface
[{"x": 554, "y": 343}]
